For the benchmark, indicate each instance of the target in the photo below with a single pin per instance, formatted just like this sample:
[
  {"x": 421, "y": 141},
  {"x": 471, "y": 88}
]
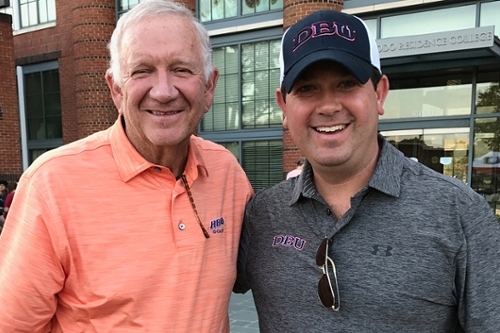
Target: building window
[
  {"x": 124, "y": 6},
  {"x": 42, "y": 103},
  {"x": 426, "y": 22},
  {"x": 35, "y": 12},
  {"x": 262, "y": 160},
  {"x": 212, "y": 10},
  {"x": 488, "y": 92},
  {"x": 490, "y": 12},
  {"x": 429, "y": 96},
  {"x": 255, "y": 88}
]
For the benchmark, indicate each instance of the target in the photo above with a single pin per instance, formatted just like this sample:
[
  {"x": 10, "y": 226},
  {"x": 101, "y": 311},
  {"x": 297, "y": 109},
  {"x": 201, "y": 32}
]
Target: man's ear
[
  {"x": 382, "y": 91},
  {"x": 116, "y": 91},
  {"x": 280, "y": 99},
  {"x": 210, "y": 88}
]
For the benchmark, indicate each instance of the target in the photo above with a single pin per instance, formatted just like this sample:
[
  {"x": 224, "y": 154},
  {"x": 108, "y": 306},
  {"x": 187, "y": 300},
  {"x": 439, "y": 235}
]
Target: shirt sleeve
[
  {"x": 478, "y": 277},
  {"x": 30, "y": 271},
  {"x": 242, "y": 286}
]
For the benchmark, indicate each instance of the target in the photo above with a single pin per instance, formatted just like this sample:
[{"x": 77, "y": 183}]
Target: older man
[{"x": 133, "y": 229}]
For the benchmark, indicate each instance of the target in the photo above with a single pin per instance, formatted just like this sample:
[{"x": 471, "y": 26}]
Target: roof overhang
[{"x": 475, "y": 46}]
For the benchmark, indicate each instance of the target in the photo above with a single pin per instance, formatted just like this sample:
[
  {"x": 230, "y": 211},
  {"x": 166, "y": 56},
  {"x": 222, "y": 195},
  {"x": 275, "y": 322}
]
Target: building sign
[{"x": 437, "y": 42}]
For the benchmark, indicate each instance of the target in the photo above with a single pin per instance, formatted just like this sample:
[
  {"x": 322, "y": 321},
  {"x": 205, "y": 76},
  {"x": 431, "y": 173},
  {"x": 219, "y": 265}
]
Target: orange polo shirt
[{"x": 100, "y": 240}]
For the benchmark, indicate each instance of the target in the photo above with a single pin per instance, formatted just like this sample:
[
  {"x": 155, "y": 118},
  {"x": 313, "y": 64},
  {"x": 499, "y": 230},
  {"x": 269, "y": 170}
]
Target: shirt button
[
  {"x": 182, "y": 226},
  {"x": 328, "y": 212},
  {"x": 157, "y": 169}
]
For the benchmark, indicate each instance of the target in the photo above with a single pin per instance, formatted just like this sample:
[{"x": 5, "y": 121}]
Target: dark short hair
[
  {"x": 4, "y": 182},
  {"x": 301, "y": 161},
  {"x": 375, "y": 78}
]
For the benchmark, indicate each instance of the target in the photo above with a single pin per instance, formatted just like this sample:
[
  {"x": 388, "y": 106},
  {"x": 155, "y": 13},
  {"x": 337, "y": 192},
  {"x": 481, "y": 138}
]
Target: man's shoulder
[
  {"x": 74, "y": 153},
  {"x": 207, "y": 145},
  {"x": 277, "y": 194},
  {"x": 212, "y": 152}
]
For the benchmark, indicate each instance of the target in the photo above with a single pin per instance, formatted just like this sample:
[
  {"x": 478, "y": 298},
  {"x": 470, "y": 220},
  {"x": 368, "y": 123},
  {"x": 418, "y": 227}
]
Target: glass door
[{"x": 444, "y": 150}]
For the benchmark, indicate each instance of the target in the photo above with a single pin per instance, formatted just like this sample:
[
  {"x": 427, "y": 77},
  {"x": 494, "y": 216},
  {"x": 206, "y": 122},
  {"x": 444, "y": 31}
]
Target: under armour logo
[{"x": 380, "y": 250}]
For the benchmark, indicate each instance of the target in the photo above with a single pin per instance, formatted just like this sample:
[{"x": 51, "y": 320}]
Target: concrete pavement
[{"x": 242, "y": 314}]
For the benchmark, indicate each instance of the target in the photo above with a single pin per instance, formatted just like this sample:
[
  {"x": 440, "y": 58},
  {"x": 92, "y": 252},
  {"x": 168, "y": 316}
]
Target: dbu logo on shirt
[
  {"x": 289, "y": 241},
  {"x": 217, "y": 225}
]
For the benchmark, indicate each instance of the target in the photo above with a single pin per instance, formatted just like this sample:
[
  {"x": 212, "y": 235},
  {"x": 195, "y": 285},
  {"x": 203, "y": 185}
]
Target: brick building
[
  {"x": 442, "y": 58},
  {"x": 9, "y": 120}
]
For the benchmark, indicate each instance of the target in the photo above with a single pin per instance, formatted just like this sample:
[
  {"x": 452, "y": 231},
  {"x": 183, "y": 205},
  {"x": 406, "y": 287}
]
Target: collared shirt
[
  {"x": 416, "y": 252},
  {"x": 100, "y": 240}
]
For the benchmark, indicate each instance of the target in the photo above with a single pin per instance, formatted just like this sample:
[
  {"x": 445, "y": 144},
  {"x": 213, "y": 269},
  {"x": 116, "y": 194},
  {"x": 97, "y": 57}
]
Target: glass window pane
[
  {"x": 490, "y": 13},
  {"x": 51, "y": 105},
  {"x": 233, "y": 147},
  {"x": 43, "y": 105},
  {"x": 204, "y": 8},
  {"x": 260, "y": 79},
  {"x": 24, "y": 16},
  {"x": 249, "y": 6},
  {"x": 207, "y": 122},
  {"x": 34, "y": 106},
  {"x": 276, "y": 4},
  {"x": 247, "y": 86},
  {"x": 445, "y": 150},
  {"x": 211, "y": 10},
  {"x": 428, "y": 22},
  {"x": 33, "y": 13},
  {"x": 372, "y": 26},
  {"x": 263, "y": 162},
  {"x": 36, "y": 129},
  {"x": 42, "y": 6},
  {"x": 485, "y": 166},
  {"x": 224, "y": 113},
  {"x": 248, "y": 57},
  {"x": 53, "y": 127},
  {"x": 488, "y": 92},
  {"x": 33, "y": 82},
  {"x": 51, "y": 10},
  {"x": 35, "y": 153},
  {"x": 432, "y": 96}
]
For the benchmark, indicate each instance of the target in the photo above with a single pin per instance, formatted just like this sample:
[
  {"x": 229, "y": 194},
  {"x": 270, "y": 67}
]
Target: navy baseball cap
[{"x": 328, "y": 35}]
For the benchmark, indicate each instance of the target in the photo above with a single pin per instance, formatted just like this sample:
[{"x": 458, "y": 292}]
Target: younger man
[{"x": 387, "y": 244}]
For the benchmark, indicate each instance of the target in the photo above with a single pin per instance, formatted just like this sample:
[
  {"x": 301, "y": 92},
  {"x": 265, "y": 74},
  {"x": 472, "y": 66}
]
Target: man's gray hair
[{"x": 149, "y": 8}]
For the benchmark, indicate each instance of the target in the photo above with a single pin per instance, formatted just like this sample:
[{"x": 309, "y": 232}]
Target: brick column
[
  {"x": 293, "y": 11},
  {"x": 10, "y": 149},
  {"x": 93, "y": 24}
]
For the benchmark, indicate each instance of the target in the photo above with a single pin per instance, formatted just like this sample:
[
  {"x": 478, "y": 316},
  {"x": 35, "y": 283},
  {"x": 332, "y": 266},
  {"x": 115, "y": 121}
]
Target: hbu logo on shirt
[{"x": 217, "y": 225}]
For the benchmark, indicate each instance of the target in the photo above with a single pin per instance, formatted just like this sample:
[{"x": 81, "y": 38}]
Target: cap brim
[{"x": 361, "y": 69}]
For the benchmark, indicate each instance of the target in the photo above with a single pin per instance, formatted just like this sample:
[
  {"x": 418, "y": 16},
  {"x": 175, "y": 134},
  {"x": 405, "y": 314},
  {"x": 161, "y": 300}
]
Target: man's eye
[
  {"x": 139, "y": 72},
  {"x": 305, "y": 88},
  {"x": 349, "y": 83},
  {"x": 182, "y": 70}
]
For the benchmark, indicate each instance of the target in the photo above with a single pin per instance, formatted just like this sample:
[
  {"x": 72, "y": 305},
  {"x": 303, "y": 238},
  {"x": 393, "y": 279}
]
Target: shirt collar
[
  {"x": 130, "y": 163},
  {"x": 386, "y": 178}
]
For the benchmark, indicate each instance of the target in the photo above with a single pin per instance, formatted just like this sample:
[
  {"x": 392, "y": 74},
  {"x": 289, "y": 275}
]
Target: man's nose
[{"x": 164, "y": 88}]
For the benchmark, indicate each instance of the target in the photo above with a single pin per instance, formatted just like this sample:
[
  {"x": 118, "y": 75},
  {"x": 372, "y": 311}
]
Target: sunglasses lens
[
  {"x": 321, "y": 253},
  {"x": 325, "y": 292}
]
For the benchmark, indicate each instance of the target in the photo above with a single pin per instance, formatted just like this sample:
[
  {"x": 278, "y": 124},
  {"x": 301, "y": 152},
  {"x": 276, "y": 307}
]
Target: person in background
[
  {"x": 80, "y": 255},
  {"x": 365, "y": 240},
  {"x": 9, "y": 198},
  {"x": 298, "y": 169},
  {"x": 4, "y": 185}
]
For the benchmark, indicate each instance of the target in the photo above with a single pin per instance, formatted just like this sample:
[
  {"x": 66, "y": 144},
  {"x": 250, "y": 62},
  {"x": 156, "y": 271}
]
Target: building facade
[{"x": 442, "y": 58}]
